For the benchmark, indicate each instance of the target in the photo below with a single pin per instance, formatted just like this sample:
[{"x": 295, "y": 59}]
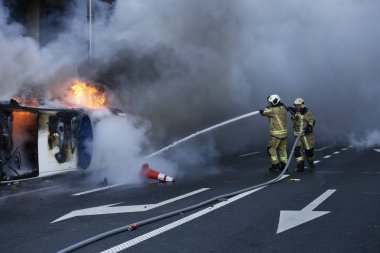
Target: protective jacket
[
  {"x": 277, "y": 120},
  {"x": 301, "y": 120}
]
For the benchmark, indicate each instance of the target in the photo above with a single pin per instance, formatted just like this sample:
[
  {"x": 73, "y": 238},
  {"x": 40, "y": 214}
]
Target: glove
[
  {"x": 308, "y": 129},
  {"x": 261, "y": 112},
  {"x": 292, "y": 110}
]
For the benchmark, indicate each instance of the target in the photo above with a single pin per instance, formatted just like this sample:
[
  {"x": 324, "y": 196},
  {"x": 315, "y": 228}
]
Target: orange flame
[
  {"x": 88, "y": 95},
  {"x": 27, "y": 101},
  {"x": 24, "y": 124}
]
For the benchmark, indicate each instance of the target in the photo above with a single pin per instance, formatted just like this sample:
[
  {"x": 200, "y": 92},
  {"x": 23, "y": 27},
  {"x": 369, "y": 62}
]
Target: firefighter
[
  {"x": 304, "y": 120},
  {"x": 278, "y": 138}
]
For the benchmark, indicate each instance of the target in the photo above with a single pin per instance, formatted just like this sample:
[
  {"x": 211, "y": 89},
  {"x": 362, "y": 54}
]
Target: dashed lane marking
[
  {"x": 179, "y": 222},
  {"x": 253, "y": 153},
  {"x": 317, "y": 161},
  {"x": 96, "y": 190},
  {"x": 28, "y": 192},
  {"x": 320, "y": 149},
  {"x": 377, "y": 150},
  {"x": 327, "y": 156},
  {"x": 336, "y": 152}
]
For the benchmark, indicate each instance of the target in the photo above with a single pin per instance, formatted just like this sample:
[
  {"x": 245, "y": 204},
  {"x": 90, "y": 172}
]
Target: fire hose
[
  {"x": 203, "y": 131},
  {"x": 133, "y": 226}
]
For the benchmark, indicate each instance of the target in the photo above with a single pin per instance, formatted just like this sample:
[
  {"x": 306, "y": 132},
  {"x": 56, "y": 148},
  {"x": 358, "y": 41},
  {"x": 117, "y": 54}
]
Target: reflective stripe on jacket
[
  {"x": 300, "y": 121},
  {"x": 277, "y": 121}
]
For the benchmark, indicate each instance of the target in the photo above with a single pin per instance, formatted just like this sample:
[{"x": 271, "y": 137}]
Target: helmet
[
  {"x": 274, "y": 99},
  {"x": 299, "y": 101}
]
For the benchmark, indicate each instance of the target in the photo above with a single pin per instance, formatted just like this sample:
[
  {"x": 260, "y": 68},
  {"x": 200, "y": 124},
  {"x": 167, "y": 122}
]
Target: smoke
[
  {"x": 184, "y": 65},
  {"x": 117, "y": 148},
  {"x": 370, "y": 139},
  {"x": 25, "y": 63},
  {"x": 111, "y": 133},
  {"x": 12, "y": 48}
]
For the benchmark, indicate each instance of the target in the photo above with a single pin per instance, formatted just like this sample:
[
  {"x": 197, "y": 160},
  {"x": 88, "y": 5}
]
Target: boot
[
  {"x": 311, "y": 163},
  {"x": 274, "y": 167},
  {"x": 3, "y": 176},
  {"x": 283, "y": 165},
  {"x": 300, "y": 166}
]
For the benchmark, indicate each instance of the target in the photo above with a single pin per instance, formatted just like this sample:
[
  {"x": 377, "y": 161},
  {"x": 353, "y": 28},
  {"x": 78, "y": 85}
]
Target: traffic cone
[{"x": 152, "y": 174}]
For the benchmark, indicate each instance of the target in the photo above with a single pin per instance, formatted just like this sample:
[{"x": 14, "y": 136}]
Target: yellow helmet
[{"x": 299, "y": 101}]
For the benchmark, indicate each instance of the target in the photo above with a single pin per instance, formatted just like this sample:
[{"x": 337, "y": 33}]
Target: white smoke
[
  {"x": 117, "y": 149},
  {"x": 18, "y": 56},
  {"x": 24, "y": 62},
  {"x": 370, "y": 140}
]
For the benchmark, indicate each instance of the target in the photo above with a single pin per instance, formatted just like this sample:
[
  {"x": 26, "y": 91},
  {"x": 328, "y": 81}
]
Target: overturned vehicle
[{"x": 39, "y": 142}]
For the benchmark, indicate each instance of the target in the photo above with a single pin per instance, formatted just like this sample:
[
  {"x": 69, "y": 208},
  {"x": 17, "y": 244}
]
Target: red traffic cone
[{"x": 152, "y": 174}]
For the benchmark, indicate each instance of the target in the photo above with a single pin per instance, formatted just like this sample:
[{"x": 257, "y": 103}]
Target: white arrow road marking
[
  {"x": 377, "y": 150},
  {"x": 179, "y": 222},
  {"x": 291, "y": 219},
  {"x": 112, "y": 209}
]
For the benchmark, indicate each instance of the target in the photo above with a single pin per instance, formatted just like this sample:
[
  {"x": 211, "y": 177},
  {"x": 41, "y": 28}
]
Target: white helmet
[
  {"x": 274, "y": 99},
  {"x": 299, "y": 101}
]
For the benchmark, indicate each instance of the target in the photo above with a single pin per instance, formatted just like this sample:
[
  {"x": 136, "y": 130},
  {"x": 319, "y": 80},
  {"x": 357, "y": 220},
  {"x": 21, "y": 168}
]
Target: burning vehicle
[{"x": 36, "y": 141}]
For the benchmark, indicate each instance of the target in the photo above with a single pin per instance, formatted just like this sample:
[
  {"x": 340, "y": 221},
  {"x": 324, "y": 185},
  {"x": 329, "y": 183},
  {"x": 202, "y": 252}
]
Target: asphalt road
[{"x": 341, "y": 198}]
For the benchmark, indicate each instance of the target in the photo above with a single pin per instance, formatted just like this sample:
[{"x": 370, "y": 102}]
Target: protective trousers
[
  {"x": 277, "y": 147},
  {"x": 306, "y": 142}
]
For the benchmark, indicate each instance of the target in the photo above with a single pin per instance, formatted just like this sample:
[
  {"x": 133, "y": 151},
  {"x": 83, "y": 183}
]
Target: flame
[
  {"x": 27, "y": 101},
  {"x": 24, "y": 123},
  {"x": 88, "y": 95}
]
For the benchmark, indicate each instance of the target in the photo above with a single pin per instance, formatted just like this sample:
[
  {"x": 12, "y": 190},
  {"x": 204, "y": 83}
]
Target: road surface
[{"x": 336, "y": 208}]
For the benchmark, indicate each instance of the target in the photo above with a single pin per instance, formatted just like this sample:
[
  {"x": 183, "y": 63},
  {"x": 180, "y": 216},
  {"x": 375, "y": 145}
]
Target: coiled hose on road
[{"x": 133, "y": 226}]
